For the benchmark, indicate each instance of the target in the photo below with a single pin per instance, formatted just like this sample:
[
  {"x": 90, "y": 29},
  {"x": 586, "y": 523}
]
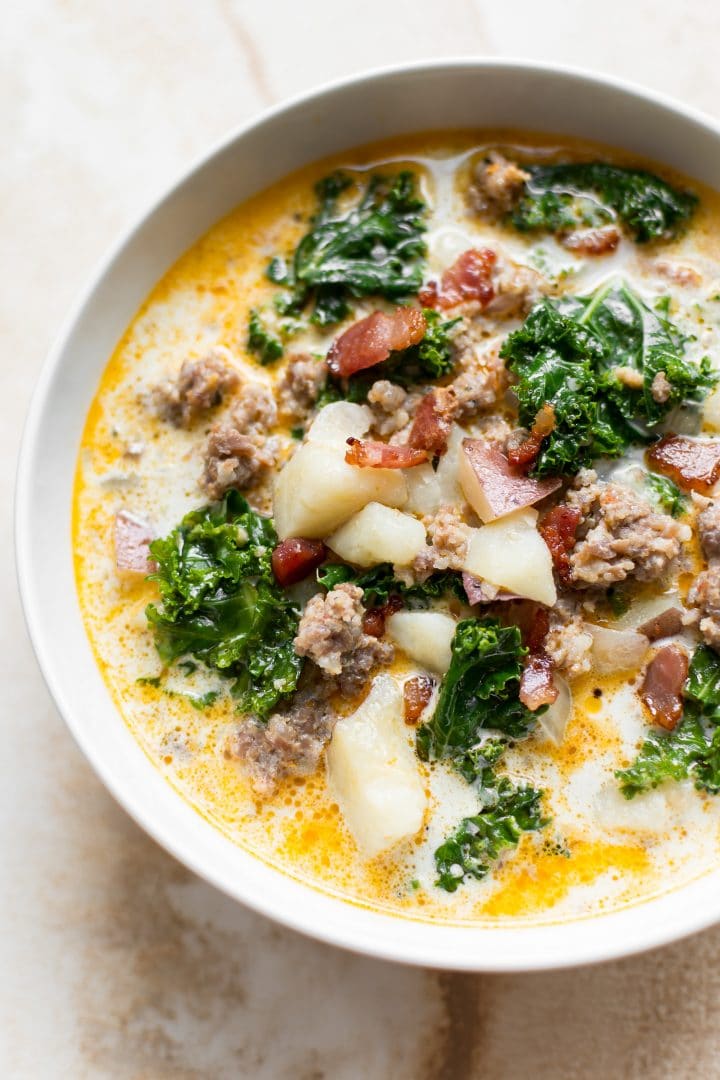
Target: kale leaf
[
  {"x": 479, "y": 692},
  {"x": 480, "y": 840},
  {"x": 220, "y": 602},
  {"x": 558, "y": 198},
  {"x": 261, "y": 341},
  {"x": 567, "y": 354},
  {"x": 374, "y": 247},
  {"x": 379, "y": 584},
  {"x": 692, "y": 750},
  {"x": 667, "y": 494}
]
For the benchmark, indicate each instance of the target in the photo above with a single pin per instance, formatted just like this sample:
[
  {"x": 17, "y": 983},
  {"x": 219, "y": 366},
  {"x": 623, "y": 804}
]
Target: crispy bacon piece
[
  {"x": 416, "y": 695},
  {"x": 371, "y": 340},
  {"x": 469, "y": 278},
  {"x": 380, "y": 455},
  {"x": 133, "y": 536},
  {"x": 537, "y": 687},
  {"x": 293, "y": 559},
  {"x": 525, "y": 455},
  {"x": 662, "y": 690},
  {"x": 694, "y": 464},
  {"x": 558, "y": 529},
  {"x": 432, "y": 424},
  {"x": 592, "y": 241},
  {"x": 374, "y": 618},
  {"x": 536, "y": 630}
]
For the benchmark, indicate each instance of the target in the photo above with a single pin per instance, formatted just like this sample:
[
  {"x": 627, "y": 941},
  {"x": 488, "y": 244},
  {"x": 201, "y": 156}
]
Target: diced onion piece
[
  {"x": 339, "y": 421},
  {"x": 316, "y": 491},
  {"x": 555, "y": 719},
  {"x": 379, "y": 534},
  {"x": 616, "y": 650},
  {"x": 511, "y": 553},
  {"x": 447, "y": 470},
  {"x": 490, "y": 484},
  {"x": 425, "y": 636},
  {"x": 373, "y": 772}
]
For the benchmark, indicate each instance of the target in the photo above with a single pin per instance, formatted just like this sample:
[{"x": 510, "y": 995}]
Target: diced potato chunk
[
  {"x": 338, "y": 421},
  {"x": 378, "y": 534},
  {"x": 373, "y": 772},
  {"x": 447, "y": 470},
  {"x": 317, "y": 491},
  {"x": 616, "y": 650},
  {"x": 490, "y": 484},
  {"x": 423, "y": 490},
  {"x": 511, "y": 553},
  {"x": 426, "y": 637}
]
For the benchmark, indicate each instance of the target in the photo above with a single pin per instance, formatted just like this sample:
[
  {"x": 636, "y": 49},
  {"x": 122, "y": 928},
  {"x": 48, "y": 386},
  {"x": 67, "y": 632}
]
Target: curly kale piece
[
  {"x": 221, "y": 605},
  {"x": 479, "y": 692},
  {"x": 567, "y": 354},
  {"x": 379, "y": 584},
  {"x": 480, "y": 840},
  {"x": 667, "y": 494},
  {"x": 558, "y": 198},
  {"x": 261, "y": 341},
  {"x": 692, "y": 750},
  {"x": 373, "y": 247}
]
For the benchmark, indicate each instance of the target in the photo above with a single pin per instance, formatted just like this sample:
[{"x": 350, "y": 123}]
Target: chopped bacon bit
[
  {"x": 537, "y": 687},
  {"x": 694, "y": 464},
  {"x": 526, "y": 454},
  {"x": 592, "y": 241},
  {"x": 537, "y": 630},
  {"x": 662, "y": 689},
  {"x": 665, "y": 624},
  {"x": 431, "y": 426},
  {"x": 416, "y": 696},
  {"x": 133, "y": 536},
  {"x": 374, "y": 618},
  {"x": 293, "y": 559},
  {"x": 469, "y": 278},
  {"x": 380, "y": 455},
  {"x": 371, "y": 340},
  {"x": 558, "y": 529}
]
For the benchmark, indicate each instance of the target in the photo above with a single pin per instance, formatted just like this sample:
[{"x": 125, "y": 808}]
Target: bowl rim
[{"x": 361, "y": 937}]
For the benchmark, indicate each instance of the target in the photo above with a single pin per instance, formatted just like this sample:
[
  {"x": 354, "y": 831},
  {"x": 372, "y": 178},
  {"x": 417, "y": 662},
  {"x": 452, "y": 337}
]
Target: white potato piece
[
  {"x": 616, "y": 650},
  {"x": 316, "y": 491},
  {"x": 711, "y": 411},
  {"x": 373, "y": 772},
  {"x": 340, "y": 420},
  {"x": 447, "y": 471},
  {"x": 378, "y": 534},
  {"x": 424, "y": 492},
  {"x": 511, "y": 553},
  {"x": 426, "y": 637}
]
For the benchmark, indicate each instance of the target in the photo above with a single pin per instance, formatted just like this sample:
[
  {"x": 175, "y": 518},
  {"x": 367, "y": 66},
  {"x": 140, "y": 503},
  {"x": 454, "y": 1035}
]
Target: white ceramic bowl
[{"x": 460, "y": 94}]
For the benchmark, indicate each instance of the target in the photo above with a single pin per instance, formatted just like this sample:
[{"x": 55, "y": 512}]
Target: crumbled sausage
[
  {"x": 516, "y": 288},
  {"x": 238, "y": 451},
  {"x": 704, "y": 596},
  {"x": 708, "y": 524},
  {"x": 592, "y": 241},
  {"x": 290, "y": 744},
  {"x": 331, "y": 634},
  {"x": 630, "y": 377},
  {"x": 300, "y": 385},
  {"x": 449, "y": 536},
  {"x": 496, "y": 185},
  {"x": 391, "y": 406},
  {"x": 660, "y": 388},
  {"x": 568, "y": 643},
  {"x": 620, "y": 535},
  {"x": 678, "y": 273},
  {"x": 200, "y": 386}
]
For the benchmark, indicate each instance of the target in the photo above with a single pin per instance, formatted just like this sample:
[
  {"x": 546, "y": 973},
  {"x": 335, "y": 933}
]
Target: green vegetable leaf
[
  {"x": 478, "y": 693},
  {"x": 667, "y": 494},
  {"x": 379, "y": 584},
  {"x": 261, "y": 341},
  {"x": 372, "y": 247},
  {"x": 558, "y": 198},
  {"x": 692, "y": 750},
  {"x": 567, "y": 354},
  {"x": 480, "y": 840},
  {"x": 220, "y": 602}
]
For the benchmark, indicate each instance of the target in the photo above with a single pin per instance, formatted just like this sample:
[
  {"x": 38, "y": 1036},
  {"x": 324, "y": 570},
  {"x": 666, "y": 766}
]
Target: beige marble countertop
[{"x": 114, "y": 960}]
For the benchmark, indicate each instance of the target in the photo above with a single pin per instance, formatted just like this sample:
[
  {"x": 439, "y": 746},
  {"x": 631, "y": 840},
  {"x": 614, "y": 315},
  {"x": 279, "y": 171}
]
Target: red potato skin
[
  {"x": 694, "y": 464},
  {"x": 295, "y": 559},
  {"x": 505, "y": 488},
  {"x": 558, "y": 529},
  {"x": 371, "y": 340},
  {"x": 133, "y": 536},
  {"x": 662, "y": 690}
]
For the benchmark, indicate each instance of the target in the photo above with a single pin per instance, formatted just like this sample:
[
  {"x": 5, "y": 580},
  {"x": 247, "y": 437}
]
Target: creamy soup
[{"x": 394, "y": 527}]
